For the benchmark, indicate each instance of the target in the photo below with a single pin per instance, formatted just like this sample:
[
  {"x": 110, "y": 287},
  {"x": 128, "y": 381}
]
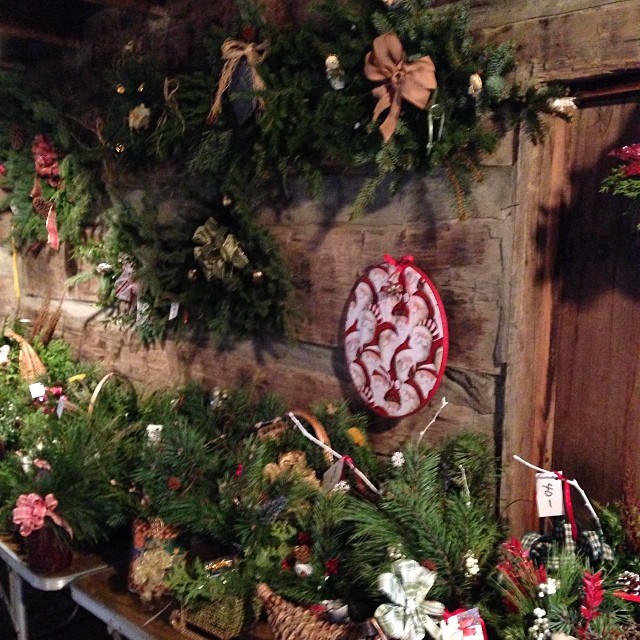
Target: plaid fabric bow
[
  {"x": 31, "y": 510},
  {"x": 543, "y": 548},
  {"x": 408, "y": 615}
]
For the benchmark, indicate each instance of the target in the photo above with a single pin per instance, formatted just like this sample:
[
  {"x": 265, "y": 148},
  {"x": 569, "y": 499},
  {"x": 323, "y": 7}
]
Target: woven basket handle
[
  {"x": 100, "y": 386},
  {"x": 318, "y": 428}
]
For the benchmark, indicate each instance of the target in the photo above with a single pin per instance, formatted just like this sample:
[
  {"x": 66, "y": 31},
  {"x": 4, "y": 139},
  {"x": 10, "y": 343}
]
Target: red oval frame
[{"x": 393, "y": 311}]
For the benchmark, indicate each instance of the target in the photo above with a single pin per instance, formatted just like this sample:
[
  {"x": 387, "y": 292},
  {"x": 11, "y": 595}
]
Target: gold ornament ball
[
  {"x": 226, "y": 201},
  {"x": 258, "y": 277},
  {"x": 192, "y": 275},
  {"x": 120, "y": 88}
]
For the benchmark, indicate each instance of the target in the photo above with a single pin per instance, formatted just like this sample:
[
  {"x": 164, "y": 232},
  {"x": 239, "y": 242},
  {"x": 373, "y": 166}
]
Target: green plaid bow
[{"x": 408, "y": 616}]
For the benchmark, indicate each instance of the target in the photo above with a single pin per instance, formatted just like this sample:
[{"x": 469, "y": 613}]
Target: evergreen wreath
[{"x": 156, "y": 260}]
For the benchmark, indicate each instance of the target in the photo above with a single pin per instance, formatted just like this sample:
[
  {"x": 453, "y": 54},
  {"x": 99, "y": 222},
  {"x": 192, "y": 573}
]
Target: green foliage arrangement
[{"x": 624, "y": 180}]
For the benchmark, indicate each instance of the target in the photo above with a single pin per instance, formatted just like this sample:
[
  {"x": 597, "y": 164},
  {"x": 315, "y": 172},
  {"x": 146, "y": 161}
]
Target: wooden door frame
[{"x": 542, "y": 191}]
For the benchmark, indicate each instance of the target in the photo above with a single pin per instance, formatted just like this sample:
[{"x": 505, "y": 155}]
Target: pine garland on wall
[{"x": 386, "y": 89}]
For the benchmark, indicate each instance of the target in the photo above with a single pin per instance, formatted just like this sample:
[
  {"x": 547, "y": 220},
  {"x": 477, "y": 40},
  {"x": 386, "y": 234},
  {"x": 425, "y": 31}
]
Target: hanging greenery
[
  {"x": 201, "y": 269},
  {"x": 385, "y": 90}
]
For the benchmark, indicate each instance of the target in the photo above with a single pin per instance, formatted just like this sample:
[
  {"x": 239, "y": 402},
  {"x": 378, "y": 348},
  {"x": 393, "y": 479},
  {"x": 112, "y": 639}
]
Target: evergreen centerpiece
[{"x": 64, "y": 486}]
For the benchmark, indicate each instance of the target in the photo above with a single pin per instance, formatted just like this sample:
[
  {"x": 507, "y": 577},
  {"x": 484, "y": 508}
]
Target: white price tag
[
  {"x": 173, "y": 310},
  {"x": 60, "y": 406},
  {"x": 333, "y": 475},
  {"x": 38, "y": 390},
  {"x": 549, "y": 495}
]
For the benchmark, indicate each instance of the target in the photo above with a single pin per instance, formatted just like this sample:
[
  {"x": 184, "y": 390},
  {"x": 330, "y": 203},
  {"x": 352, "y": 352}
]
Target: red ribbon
[
  {"x": 626, "y": 596},
  {"x": 567, "y": 504},
  {"x": 31, "y": 510},
  {"x": 405, "y": 262},
  {"x": 52, "y": 229}
]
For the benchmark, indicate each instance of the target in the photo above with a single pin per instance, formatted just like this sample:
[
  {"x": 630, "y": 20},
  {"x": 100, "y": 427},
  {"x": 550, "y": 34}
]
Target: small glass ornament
[
  {"x": 227, "y": 200},
  {"x": 192, "y": 275},
  {"x": 141, "y": 87},
  {"x": 258, "y": 277},
  {"x": 475, "y": 85},
  {"x": 119, "y": 147},
  {"x": 120, "y": 88}
]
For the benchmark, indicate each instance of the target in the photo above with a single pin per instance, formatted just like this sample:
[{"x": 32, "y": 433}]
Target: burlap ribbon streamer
[
  {"x": 401, "y": 80},
  {"x": 232, "y": 52},
  {"x": 218, "y": 250}
]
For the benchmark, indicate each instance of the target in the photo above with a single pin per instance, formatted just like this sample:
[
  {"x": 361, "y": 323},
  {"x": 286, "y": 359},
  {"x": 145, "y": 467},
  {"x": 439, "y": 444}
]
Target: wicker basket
[
  {"x": 109, "y": 378},
  {"x": 222, "y": 619},
  {"x": 275, "y": 428},
  {"x": 30, "y": 365},
  {"x": 290, "y": 622}
]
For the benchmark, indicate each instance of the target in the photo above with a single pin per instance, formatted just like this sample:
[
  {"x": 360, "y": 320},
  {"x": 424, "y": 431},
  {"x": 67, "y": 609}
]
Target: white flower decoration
[{"x": 397, "y": 459}]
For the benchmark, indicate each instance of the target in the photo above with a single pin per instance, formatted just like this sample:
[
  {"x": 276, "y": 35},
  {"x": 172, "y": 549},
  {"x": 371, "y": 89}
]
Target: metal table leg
[{"x": 16, "y": 607}]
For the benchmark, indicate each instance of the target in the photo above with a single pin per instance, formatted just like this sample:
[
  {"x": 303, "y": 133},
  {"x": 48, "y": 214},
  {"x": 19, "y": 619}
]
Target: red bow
[{"x": 31, "y": 510}]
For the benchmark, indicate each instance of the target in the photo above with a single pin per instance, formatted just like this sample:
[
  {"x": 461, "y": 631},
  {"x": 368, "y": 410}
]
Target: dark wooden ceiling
[{"x": 30, "y": 29}]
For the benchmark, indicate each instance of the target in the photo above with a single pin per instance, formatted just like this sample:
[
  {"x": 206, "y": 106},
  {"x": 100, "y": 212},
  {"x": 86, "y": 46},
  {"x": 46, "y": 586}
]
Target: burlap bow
[
  {"x": 232, "y": 52},
  {"x": 408, "y": 616},
  {"x": 218, "y": 251},
  {"x": 402, "y": 80}
]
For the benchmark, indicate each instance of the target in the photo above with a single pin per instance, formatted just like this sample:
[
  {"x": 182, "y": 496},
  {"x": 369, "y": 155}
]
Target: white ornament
[
  {"x": 475, "y": 85},
  {"x": 4, "y": 354},
  {"x": 563, "y": 105},
  {"x": 303, "y": 570},
  {"x": 397, "y": 459},
  {"x": 154, "y": 433},
  {"x": 395, "y": 552},
  {"x": 547, "y": 588},
  {"x": 472, "y": 567},
  {"x": 335, "y": 73},
  {"x": 337, "y": 611},
  {"x": 342, "y": 487},
  {"x": 139, "y": 117}
]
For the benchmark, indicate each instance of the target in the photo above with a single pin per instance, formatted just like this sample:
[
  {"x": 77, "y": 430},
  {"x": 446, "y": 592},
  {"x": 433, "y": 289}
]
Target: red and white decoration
[{"x": 396, "y": 338}]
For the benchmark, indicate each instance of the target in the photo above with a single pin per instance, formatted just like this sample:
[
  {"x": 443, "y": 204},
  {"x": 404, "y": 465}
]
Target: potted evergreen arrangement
[{"x": 62, "y": 493}]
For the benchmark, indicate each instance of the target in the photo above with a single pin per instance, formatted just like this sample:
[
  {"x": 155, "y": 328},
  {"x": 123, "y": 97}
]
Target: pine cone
[
  {"x": 41, "y": 206},
  {"x": 17, "y": 137},
  {"x": 302, "y": 553},
  {"x": 629, "y": 582}
]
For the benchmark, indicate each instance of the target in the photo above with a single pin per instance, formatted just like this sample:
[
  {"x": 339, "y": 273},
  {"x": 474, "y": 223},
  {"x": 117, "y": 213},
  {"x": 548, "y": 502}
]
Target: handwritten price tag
[{"x": 549, "y": 495}]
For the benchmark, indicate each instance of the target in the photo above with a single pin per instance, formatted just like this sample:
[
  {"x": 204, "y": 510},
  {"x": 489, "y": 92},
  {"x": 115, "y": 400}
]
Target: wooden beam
[
  {"x": 144, "y": 6},
  {"x": 23, "y": 33}
]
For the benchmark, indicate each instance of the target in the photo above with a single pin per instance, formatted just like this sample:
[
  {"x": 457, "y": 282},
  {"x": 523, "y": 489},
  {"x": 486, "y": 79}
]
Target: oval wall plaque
[{"x": 396, "y": 338}]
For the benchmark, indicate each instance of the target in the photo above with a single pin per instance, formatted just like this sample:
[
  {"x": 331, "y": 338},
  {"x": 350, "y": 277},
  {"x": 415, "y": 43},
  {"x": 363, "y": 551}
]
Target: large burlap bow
[
  {"x": 408, "y": 617},
  {"x": 402, "y": 80},
  {"x": 232, "y": 52},
  {"x": 218, "y": 251}
]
